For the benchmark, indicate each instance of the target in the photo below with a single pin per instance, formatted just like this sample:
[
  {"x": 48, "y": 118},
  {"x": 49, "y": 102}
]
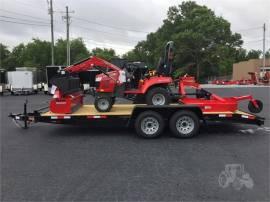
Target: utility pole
[
  {"x": 52, "y": 32},
  {"x": 68, "y": 45},
  {"x": 67, "y": 18},
  {"x": 264, "y": 47}
]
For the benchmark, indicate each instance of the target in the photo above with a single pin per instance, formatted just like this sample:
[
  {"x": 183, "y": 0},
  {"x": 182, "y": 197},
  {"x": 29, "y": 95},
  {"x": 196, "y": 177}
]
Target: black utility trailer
[{"x": 149, "y": 121}]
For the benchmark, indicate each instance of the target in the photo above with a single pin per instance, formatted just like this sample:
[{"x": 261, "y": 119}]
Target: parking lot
[{"x": 81, "y": 163}]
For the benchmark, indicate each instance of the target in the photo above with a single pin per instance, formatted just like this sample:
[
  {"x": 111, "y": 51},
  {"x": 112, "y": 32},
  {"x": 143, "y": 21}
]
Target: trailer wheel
[
  {"x": 149, "y": 124},
  {"x": 254, "y": 109},
  {"x": 158, "y": 96},
  {"x": 184, "y": 124},
  {"x": 103, "y": 104}
]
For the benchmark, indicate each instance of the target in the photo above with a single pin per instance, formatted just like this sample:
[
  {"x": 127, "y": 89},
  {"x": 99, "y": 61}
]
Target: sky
[{"x": 120, "y": 24}]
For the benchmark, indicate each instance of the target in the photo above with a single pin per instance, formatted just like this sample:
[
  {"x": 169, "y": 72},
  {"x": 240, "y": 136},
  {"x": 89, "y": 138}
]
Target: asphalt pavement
[{"x": 80, "y": 163}]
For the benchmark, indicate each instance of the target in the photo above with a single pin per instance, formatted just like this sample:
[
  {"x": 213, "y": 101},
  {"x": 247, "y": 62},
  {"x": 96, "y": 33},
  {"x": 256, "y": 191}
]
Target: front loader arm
[{"x": 91, "y": 63}]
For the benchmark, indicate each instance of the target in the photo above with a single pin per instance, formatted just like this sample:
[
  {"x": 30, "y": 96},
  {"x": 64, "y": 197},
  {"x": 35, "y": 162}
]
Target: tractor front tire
[
  {"x": 158, "y": 96},
  {"x": 103, "y": 104}
]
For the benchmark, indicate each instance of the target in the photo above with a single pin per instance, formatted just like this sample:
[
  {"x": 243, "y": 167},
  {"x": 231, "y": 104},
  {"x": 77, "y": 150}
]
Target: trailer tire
[
  {"x": 184, "y": 124},
  {"x": 103, "y": 104},
  {"x": 149, "y": 124},
  {"x": 158, "y": 96},
  {"x": 254, "y": 109}
]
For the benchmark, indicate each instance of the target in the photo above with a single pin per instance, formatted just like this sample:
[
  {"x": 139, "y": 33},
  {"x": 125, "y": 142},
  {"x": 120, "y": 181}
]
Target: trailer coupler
[
  {"x": 24, "y": 117},
  {"x": 18, "y": 118}
]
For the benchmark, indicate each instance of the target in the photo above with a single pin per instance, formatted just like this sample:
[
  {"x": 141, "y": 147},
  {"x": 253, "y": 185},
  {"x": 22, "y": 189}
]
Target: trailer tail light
[
  {"x": 247, "y": 117},
  {"x": 60, "y": 117},
  {"x": 225, "y": 115},
  {"x": 97, "y": 117},
  {"x": 31, "y": 118}
]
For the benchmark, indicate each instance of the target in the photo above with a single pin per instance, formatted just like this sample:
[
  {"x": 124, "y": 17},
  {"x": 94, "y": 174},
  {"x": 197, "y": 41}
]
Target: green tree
[
  {"x": 78, "y": 51},
  {"x": 253, "y": 54},
  {"x": 16, "y": 57},
  {"x": 104, "y": 53},
  {"x": 4, "y": 55},
  {"x": 34, "y": 54},
  {"x": 240, "y": 55},
  {"x": 60, "y": 52},
  {"x": 37, "y": 53},
  {"x": 267, "y": 54},
  {"x": 204, "y": 42}
]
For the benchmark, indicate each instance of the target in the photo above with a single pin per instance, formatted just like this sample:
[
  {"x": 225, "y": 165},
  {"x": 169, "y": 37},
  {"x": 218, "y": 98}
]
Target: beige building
[{"x": 241, "y": 69}]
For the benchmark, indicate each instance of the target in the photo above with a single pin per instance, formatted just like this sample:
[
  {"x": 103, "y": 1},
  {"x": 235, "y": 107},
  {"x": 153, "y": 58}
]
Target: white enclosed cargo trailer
[{"x": 21, "y": 82}]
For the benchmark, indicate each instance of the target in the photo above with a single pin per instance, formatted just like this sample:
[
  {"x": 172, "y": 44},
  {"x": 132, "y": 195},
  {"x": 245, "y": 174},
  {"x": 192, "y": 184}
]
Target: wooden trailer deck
[
  {"x": 86, "y": 110},
  {"x": 126, "y": 110}
]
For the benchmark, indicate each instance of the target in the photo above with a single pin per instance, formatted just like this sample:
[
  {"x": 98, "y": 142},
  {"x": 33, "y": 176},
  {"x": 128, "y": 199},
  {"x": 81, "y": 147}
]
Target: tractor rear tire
[
  {"x": 254, "y": 109},
  {"x": 103, "y": 104},
  {"x": 158, "y": 96}
]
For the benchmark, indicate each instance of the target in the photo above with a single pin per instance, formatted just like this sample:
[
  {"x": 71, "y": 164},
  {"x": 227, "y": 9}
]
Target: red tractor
[
  {"x": 151, "y": 89},
  {"x": 114, "y": 82}
]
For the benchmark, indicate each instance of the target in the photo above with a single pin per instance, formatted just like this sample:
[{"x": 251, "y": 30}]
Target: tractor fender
[{"x": 155, "y": 81}]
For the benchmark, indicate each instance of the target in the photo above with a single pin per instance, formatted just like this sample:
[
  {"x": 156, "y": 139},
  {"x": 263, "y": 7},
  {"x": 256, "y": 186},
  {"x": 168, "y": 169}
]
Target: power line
[
  {"x": 23, "y": 15},
  {"x": 29, "y": 5},
  {"x": 22, "y": 23},
  {"x": 253, "y": 41},
  {"x": 86, "y": 38},
  {"x": 249, "y": 29},
  {"x": 104, "y": 32},
  {"x": 110, "y": 26},
  {"x": 104, "y": 44},
  {"x": 3, "y": 16}
]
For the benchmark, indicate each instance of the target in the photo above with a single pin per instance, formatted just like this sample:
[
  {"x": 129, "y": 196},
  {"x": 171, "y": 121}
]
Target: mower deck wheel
[{"x": 254, "y": 109}]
